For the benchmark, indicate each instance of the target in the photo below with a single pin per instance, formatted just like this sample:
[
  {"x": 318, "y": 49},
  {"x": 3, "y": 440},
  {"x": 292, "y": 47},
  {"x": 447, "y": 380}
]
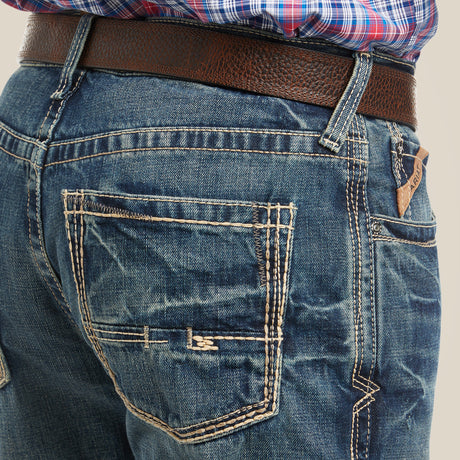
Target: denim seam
[
  {"x": 63, "y": 103},
  {"x": 17, "y": 156},
  {"x": 417, "y": 225},
  {"x": 357, "y": 301},
  {"x": 172, "y": 129},
  {"x": 193, "y": 129},
  {"x": 111, "y": 212},
  {"x": 46, "y": 117},
  {"x": 267, "y": 303},
  {"x": 75, "y": 196},
  {"x": 45, "y": 255},
  {"x": 104, "y": 339},
  {"x": 369, "y": 387},
  {"x": 3, "y": 127},
  {"x": 257, "y": 414},
  {"x": 425, "y": 244},
  {"x": 202, "y": 149},
  {"x": 258, "y": 245},
  {"x": 371, "y": 293},
  {"x": 271, "y": 378},
  {"x": 146, "y": 218},
  {"x": 410, "y": 156},
  {"x": 96, "y": 329},
  {"x": 232, "y": 337},
  {"x": 353, "y": 247},
  {"x": 32, "y": 250}
]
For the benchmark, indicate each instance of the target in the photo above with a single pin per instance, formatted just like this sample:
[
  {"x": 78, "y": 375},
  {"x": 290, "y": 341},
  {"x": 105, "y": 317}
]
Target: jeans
[{"x": 192, "y": 272}]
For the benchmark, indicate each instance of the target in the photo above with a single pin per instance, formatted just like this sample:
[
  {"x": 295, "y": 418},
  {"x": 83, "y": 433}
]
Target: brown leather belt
[{"x": 254, "y": 61}]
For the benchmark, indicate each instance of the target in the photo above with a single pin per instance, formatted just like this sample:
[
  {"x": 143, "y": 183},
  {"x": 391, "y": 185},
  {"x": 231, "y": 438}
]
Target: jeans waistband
[{"x": 229, "y": 56}]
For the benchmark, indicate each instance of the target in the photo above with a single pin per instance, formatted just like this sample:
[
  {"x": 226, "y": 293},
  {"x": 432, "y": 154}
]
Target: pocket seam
[{"x": 273, "y": 313}]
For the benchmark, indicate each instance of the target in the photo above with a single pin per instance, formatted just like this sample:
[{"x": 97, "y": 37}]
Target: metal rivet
[{"x": 376, "y": 227}]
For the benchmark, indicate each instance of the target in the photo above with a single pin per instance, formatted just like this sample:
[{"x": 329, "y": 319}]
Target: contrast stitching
[
  {"x": 192, "y": 130},
  {"x": 42, "y": 247},
  {"x": 28, "y": 141},
  {"x": 67, "y": 313},
  {"x": 61, "y": 105},
  {"x": 394, "y": 221},
  {"x": 411, "y": 156},
  {"x": 400, "y": 149},
  {"x": 281, "y": 310},
  {"x": 425, "y": 244},
  {"x": 17, "y": 156},
  {"x": 359, "y": 316},
  {"x": 202, "y": 343},
  {"x": 146, "y": 338},
  {"x": 360, "y": 270},
  {"x": 328, "y": 141},
  {"x": 271, "y": 378},
  {"x": 347, "y": 195},
  {"x": 351, "y": 93},
  {"x": 74, "y": 196},
  {"x": 74, "y": 51},
  {"x": 196, "y": 149},
  {"x": 258, "y": 245},
  {"x": 104, "y": 339},
  {"x": 369, "y": 387},
  {"x": 286, "y": 262},
  {"x": 179, "y": 221},
  {"x": 267, "y": 304},
  {"x": 117, "y": 332},
  {"x": 232, "y": 337},
  {"x": 371, "y": 263},
  {"x": 230, "y": 424},
  {"x": 183, "y": 129},
  {"x": 46, "y": 117}
]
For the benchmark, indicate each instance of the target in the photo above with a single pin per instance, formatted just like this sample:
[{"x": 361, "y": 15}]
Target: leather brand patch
[{"x": 405, "y": 193}]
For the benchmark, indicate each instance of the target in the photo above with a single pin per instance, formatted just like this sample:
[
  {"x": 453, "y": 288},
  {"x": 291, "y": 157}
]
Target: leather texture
[{"x": 210, "y": 55}]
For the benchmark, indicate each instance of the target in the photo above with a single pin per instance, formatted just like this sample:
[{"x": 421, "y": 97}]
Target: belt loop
[
  {"x": 73, "y": 56},
  {"x": 337, "y": 128}
]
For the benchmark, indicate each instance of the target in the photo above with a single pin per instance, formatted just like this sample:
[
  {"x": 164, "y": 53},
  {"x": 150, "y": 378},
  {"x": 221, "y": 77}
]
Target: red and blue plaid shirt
[{"x": 398, "y": 27}]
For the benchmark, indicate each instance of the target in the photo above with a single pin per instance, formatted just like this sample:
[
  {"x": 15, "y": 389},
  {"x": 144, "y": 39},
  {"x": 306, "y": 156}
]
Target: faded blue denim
[{"x": 186, "y": 273}]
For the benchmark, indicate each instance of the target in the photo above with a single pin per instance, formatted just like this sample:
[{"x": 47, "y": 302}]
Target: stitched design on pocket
[{"x": 238, "y": 339}]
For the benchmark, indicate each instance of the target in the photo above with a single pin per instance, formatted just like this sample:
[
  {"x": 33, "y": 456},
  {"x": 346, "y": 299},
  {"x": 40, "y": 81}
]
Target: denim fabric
[{"x": 186, "y": 273}]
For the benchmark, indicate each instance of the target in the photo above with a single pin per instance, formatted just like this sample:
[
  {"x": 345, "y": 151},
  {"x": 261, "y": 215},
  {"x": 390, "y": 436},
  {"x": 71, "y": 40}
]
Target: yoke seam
[{"x": 203, "y": 149}]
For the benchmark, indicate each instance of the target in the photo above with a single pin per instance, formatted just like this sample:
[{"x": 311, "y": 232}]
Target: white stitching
[
  {"x": 175, "y": 200},
  {"x": 200, "y": 149},
  {"x": 17, "y": 136},
  {"x": 179, "y": 221},
  {"x": 254, "y": 415},
  {"x": 395, "y": 221},
  {"x": 425, "y": 244}
]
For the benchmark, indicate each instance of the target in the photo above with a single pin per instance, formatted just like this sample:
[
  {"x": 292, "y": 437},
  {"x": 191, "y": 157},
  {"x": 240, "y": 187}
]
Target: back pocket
[{"x": 183, "y": 300}]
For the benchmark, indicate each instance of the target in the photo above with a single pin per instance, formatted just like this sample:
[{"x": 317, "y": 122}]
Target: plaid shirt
[{"x": 398, "y": 27}]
